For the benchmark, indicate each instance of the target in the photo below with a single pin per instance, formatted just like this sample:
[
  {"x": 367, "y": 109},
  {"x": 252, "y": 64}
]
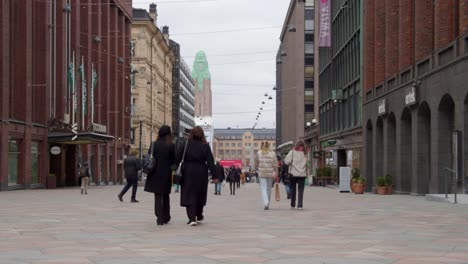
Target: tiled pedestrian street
[{"x": 62, "y": 226}]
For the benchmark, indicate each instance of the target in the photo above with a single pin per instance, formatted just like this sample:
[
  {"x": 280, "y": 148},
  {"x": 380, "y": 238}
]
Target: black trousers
[
  {"x": 195, "y": 211},
  {"x": 130, "y": 183},
  {"x": 162, "y": 208},
  {"x": 297, "y": 181},
  {"x": 232, "y": 187},
  {"x": 238, "y": 184}
]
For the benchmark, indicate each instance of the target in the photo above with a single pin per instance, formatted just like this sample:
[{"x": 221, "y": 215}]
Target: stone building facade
[
  {"x": 415, "y": 94},
  {"x": 241, "y": 144},
  {"x": 152, "y": 65}
]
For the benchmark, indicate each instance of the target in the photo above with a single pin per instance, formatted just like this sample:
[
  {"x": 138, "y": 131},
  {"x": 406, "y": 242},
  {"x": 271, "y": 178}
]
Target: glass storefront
[
  {"x": 13, "y": 162},
  {"x": 35, "y": 162}
]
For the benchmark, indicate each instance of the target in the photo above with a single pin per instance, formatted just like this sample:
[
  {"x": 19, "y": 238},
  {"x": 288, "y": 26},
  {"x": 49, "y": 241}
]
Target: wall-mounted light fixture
[
  {"x": 66, "y": 8},
  {"x": 97, "y": 40}
]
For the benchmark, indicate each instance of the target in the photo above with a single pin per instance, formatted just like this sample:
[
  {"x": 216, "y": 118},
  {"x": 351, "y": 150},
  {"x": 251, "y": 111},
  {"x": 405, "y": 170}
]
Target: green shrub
[
  {"x": 355, "y": 173},
  {"x": 388, "y": 180},
  {"x": 359, "y": 179},
  {"x": 381, "y": 181}
]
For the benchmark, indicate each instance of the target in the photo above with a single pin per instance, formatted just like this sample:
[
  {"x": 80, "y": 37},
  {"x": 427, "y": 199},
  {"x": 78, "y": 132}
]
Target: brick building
[
  {"x": 241, "y": 144},
  {"x": 415, "y": 93},
  {"x": 152, "y": 64},
  {"x": 38, "y": 40}
]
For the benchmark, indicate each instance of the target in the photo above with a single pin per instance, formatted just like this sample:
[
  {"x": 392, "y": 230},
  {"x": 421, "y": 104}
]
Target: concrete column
[
  {"x": 414, "y": 152},
  {"x": 435, "y": 171},
  {"x": 398, "y": 170}
]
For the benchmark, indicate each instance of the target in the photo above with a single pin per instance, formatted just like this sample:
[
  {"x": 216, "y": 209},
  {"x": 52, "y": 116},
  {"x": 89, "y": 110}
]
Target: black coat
[
  {"x": 131, "y": 166},
  {"x": 232, "y": 174},
  {"x": 220, "y": 173},
  {"x": 160, "y": 180},
  {"x": 194, "y": 184}
]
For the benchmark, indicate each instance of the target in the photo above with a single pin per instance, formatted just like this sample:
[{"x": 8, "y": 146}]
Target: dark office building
[
  {"x": 415, "y": 92},
  {"x": 295, "y": 75},
  {"x": 38, "y": 40},
  {"x": 340, "y": 86},
  {"x": 183, "y": 94}
]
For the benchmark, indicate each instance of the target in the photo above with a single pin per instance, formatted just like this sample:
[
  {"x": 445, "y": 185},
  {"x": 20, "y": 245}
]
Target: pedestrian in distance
[
  {"x": 132, "y": 165},
  {"x": 267, "y": 172},
  {"x": 238, "y": 177},
  {"x": 194, "y": 184},
  {"x": 221, "y": 177},
  {"x": 284, "y": 176},
  {"x": 296, "y": 160},
  {"x": 159, "y": 181},
  {"x": 231, "y": 178},
  {"x": 85, "y": 175}
]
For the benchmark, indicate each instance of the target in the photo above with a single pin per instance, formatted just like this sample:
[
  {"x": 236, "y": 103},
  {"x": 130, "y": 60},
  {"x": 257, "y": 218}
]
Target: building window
[
  {"x": 255, "y": 144},
  {"x": 221, "y": 144},
  {"x": 309, "y": 37},
  {"x": 239, "y": 144},
  {"x": 221, "y": 152},
  {"x": 309, "y": 48},
  {"x": 309, "y": 72},
  {"x": 13, "y": 162},
  {"x": 132, "y": 136},
  {"x": 35, "y": 146},
  {"x": 233, "y": 144},
  {"x": 309, "y": 61},
  {"x": 239, "y": 152}
]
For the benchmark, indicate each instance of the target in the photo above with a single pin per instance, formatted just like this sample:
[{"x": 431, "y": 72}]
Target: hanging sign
[
  {"x": 410, "y": 96},
  {"x": 56, "y": 150},
  {"x": 382, "y": 109},
  {"x": 325, "y": 23}
]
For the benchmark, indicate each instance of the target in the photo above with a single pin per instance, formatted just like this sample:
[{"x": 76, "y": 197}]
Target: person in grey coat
[
  {"x": 131, "y": 166},
  {"x": 159, "y": 181}
]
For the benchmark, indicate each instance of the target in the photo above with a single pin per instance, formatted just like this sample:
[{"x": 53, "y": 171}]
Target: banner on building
[
  {"x": 325, "y": 23},
  {"x": 93, "y": 86},
  {"x": 72, "y": 88},
  {"x": 83, "y": 93}
]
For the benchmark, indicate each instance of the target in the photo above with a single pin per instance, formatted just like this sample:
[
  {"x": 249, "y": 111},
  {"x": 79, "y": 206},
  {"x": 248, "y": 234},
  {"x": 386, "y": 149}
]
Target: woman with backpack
[
  {"x": 296, "y": 160},
  {"x": 159, "y": 181}
]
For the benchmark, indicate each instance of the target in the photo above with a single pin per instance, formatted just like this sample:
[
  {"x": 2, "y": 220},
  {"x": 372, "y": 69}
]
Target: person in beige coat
[
  {"x": 296, "y": 160},
  {"x": 267, "y": 172}
]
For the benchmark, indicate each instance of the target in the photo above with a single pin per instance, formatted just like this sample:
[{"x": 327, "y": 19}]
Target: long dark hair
[
  {"x": 197, "y": 134},
  {"x": 165, "y": 134}
]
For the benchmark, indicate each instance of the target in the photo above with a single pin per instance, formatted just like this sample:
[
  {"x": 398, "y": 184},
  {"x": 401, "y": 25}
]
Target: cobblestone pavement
[{"x": 62, "y": 226}]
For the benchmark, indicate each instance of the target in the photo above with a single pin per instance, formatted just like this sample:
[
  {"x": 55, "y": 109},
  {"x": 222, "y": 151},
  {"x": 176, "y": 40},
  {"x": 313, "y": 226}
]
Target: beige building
[
  {"x": 152, "y": 60},
  {"x": 241, "y": 144}
]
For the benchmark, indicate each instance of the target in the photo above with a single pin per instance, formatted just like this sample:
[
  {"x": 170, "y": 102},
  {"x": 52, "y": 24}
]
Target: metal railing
[{"x": 454, "y": 183}]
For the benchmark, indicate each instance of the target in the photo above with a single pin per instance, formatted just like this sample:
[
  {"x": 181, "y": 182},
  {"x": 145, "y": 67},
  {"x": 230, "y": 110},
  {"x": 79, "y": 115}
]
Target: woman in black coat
[
  {"x": 159, "y": 181},
  {"x": 198, "y": 159}
]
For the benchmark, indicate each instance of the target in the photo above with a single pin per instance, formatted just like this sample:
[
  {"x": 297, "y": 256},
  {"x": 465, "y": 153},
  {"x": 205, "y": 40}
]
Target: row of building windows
[{"x": 221, "y": 144}]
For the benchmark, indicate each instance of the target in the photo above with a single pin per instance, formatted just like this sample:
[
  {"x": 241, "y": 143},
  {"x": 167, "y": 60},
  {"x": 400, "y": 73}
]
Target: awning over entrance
[{"x": 83, "y": 138}]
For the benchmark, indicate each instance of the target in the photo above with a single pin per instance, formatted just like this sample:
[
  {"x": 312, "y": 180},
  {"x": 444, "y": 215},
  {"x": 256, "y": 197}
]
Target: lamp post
[{"x": 141, "y": 135}]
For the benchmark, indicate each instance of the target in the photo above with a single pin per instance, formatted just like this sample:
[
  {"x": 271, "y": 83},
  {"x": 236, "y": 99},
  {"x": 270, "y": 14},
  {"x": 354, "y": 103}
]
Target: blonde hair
[
  {"x": 133, "y": 152},
  {"x": 265, "y": 147}
]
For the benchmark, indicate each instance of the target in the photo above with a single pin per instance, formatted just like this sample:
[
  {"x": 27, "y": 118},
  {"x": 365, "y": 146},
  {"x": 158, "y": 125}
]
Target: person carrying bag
[{"x": 296, "y": 161}]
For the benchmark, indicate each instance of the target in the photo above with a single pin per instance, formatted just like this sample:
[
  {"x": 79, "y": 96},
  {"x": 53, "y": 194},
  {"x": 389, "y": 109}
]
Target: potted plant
[
  {"x": 388, "y": 184},
  {"x": 359, "y": 184},
  {"x": 381, "y": 185},
  {"x": 355, "y": 174}
]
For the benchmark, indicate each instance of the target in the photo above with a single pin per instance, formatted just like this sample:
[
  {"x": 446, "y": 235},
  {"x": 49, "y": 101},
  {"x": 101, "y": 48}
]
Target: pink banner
[
  {"x": 229, "y": 163},
  {"x": 325, "y": 23}
]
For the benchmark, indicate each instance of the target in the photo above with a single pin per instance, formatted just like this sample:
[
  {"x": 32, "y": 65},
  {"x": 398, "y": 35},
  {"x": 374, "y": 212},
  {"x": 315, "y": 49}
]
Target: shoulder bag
[
  {"x": 148, "y": 162},
  {"x": 290, "y": 175},
  {"x": 177, "y": 178}
]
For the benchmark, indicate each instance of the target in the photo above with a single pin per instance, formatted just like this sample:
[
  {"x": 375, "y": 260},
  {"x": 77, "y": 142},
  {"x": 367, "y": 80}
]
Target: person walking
[
  {"x": 132, "y": 165},
  {"x": 238, "y": 177},
  {"x": 159, "y": 181},
  {"x": 221, "y": 177},
  {"x": 284, "y": 175},
  {"x": 231, "y": 178},
  {"x": 194, "y": 185},
  {"x": 296, "y": 160},
  {"x": 267, "y": 172},
  {"x": 84, "y": 174}
]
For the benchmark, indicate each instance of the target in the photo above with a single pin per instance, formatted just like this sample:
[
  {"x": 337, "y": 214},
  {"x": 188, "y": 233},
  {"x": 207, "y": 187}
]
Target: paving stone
[{"x": 62, "y": 226}]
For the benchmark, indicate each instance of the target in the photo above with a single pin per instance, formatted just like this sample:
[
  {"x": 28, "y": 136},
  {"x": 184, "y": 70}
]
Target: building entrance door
[{"x": 341, "y": 162}]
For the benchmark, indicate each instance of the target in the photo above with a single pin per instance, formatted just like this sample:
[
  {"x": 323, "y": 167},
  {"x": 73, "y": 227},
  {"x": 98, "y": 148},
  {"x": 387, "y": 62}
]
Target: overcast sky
[{"x": 239, "y": 82}]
